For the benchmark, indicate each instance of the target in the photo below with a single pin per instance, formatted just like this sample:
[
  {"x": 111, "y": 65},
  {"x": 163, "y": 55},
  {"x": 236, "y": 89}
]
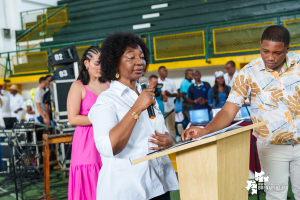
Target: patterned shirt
[{"x": 274, "y": 97}]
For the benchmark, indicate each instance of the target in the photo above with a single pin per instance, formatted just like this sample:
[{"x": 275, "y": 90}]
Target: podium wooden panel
[{"x": 213, "y": 168}]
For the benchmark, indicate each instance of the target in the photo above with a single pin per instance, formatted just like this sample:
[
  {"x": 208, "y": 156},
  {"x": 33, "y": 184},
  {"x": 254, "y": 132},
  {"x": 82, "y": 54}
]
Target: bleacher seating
[{"x": 94, "y": 19}]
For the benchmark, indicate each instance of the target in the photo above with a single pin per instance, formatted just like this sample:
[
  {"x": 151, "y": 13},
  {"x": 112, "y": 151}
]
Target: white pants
[
  {"x": 6, "y": 114},
  {"x": 279, "y": 162}
]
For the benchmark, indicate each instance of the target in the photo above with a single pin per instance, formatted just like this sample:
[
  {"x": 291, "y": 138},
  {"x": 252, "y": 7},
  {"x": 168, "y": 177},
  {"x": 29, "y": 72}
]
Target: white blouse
[{"x": 118, "y": 178}]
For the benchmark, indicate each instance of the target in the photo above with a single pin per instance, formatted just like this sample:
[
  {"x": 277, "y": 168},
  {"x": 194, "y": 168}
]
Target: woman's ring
[
  {"x": 153, "y": 98},
  {"x": 161, "y": 147}
]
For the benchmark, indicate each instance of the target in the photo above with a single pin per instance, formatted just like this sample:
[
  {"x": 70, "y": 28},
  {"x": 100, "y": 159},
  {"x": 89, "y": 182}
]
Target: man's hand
[
  {"x": 46, "y": 121},
  {"x": 16, "y": 111},
  {"x": 193, "y": 133},
  {"x": 168, "y": 94},
  {"x": 199, "y": 99},
  {"x": 202, "y": 101},
  {"x": 163, "y": 93}
]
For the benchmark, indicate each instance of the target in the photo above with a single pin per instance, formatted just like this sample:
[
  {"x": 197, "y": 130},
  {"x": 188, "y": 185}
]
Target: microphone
[{"x": 143, "y": 81}]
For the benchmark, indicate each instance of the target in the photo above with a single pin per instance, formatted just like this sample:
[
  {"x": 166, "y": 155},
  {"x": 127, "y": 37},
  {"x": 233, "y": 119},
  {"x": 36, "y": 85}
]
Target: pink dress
[{"x": 85, "y": 158}]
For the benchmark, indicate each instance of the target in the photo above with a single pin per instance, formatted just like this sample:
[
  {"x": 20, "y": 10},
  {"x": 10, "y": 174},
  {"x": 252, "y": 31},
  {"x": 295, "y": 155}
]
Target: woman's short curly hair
[{"x": 112, "y": 49}]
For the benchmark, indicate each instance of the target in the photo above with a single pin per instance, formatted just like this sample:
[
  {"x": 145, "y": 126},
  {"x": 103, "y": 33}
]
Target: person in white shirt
[
  {"x": 123, "y": 129},
  {"x": 38, "y": 100},
  {"x": 1, "y": 104},
  {"x": 171, "y": 92},
  {"x": 16, "y": 102},
  {"x": 29, "y": 106},
  {"x": 231, "y": 73},
  {"x": 5, "y": 105},
  {"x": 2, "y": 124}
]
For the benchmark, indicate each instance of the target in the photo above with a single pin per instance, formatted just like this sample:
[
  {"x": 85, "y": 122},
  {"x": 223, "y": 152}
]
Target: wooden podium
[{"x": 213, "y": 168}]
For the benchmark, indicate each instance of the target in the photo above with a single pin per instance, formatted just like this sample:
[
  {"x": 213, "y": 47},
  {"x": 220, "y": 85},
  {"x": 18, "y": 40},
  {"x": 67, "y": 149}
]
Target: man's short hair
[
  {"x": 197, "y": 71},
  {"x": 186, "y": 71},
  {"x": 161, "y": 67},
  {"x": 232, "y": 63},
  {"x": 47, "y": 76},
  {"x": 42, "y": 79},
  {"x": 276, "y": 33},
  {"x": 152, "y": 76},
  {"x": 51, "y": 78}
]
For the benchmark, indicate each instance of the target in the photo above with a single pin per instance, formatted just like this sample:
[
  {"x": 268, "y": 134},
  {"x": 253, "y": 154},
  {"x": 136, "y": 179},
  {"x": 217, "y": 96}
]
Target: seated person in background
[
  {"x": 29, "y": 106},
  {"x": 198, "y": 93},
  {"x": 160, "y": 95},
  {"x": 180, "y": 117},
  {"x": 218, "y": 94}
]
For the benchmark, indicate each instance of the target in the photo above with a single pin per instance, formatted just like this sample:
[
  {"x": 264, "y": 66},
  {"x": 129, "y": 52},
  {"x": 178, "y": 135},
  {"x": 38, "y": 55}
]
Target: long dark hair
[
  {"x": 216, "y": 91},
  {"x": 84, "y": 76}
]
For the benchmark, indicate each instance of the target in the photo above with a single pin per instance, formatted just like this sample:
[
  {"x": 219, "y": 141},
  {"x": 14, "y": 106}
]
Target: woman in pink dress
[{"x": 85, "y": 159}]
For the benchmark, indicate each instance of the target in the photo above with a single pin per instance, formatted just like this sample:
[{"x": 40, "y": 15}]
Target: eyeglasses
[{"x": 228, "y": 68}]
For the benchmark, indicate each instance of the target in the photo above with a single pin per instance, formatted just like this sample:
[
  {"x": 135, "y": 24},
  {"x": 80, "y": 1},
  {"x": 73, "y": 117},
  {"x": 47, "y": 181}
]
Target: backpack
[{"x": 206, "y": 86}]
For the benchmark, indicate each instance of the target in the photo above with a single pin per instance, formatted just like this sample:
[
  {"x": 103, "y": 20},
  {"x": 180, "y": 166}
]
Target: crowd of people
[
  {"x": 176, "y": 104},
  {"x": 37, "y": 109}
]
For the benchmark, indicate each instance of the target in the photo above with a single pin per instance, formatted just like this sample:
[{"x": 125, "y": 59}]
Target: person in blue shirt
[
  {"x": 218, "y": 94},
  {"x": 180, "y": 117},
  {"x": 198, "y": 93},
  {"x": 160, "y": 95},
  {"x": 184, "y": 87}
]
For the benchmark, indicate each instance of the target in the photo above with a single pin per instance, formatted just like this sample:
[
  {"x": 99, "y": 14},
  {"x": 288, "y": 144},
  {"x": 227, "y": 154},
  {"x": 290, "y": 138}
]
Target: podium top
[{"x": 199, "y": 142}]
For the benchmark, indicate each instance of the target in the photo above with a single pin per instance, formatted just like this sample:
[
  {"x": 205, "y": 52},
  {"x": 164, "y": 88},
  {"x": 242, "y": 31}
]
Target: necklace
[{"x": 285, "y": 65}]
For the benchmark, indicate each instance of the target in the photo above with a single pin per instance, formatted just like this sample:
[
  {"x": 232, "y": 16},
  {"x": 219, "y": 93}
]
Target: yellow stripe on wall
[
  {"x": 23, "y": 79},
  {"x": 239, "y": 60}
]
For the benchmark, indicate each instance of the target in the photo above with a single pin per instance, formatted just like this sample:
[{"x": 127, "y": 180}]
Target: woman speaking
[{"x": 123, "y": 129}]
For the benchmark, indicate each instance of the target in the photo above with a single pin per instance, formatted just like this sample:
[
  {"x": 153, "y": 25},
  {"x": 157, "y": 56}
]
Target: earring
[
  {"x": 87, "y": 68},
  {"x": 117, "y": 75}
]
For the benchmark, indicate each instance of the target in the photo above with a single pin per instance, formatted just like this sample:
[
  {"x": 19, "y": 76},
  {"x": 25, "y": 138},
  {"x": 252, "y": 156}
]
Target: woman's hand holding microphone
[{"x": 145, "y": 99}]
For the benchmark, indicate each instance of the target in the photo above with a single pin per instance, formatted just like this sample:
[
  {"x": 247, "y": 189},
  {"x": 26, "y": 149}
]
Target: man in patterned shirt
[{"x": 273, "y": 83}]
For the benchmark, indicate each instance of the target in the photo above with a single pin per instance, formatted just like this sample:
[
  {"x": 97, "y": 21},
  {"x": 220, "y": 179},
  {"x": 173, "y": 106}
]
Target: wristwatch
[{"x": 195, "y": 101}]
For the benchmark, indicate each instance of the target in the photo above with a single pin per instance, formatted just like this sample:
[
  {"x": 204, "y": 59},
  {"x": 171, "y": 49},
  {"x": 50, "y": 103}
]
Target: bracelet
[
  {"x": 195, "y": 101},
  {"x": 136, "y": 116}
]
